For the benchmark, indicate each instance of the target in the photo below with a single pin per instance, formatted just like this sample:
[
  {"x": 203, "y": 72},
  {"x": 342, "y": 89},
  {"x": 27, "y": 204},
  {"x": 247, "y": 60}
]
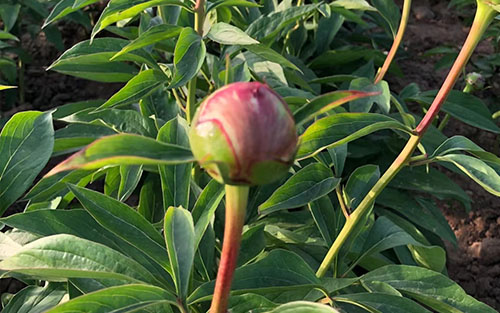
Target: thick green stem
[
  {"x": 397, "y": 41},
  {"x": 199, "y": 19},
  {"x": 483, "y": 18},
  {"x": 236, "y": 202}
]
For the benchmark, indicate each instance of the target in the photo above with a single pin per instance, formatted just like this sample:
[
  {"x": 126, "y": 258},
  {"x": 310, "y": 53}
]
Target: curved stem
[
  {"x": 236, "y": 202},
  {"x": 397, "y": 41},
  {"x": 199, "y": 20},
  {"x": 484, "y": 16}
]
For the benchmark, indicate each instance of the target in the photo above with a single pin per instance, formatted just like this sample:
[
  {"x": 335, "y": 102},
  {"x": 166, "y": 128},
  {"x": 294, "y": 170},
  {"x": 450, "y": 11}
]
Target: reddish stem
[
  {"x": 397, "y": 41},
  {"x": 236, "y": 202},
  {"x": 484, "y": 16}
]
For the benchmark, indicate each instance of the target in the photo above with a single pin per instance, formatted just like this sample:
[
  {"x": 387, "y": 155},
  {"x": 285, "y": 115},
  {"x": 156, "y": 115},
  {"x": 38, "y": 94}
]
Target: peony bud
[{"x": 244, "y": 134}]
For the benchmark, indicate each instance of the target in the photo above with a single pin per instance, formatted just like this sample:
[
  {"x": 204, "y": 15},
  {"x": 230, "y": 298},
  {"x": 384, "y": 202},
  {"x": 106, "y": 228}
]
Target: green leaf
[
  {"x": 253, "y": 242},
  {"x": 309, "y": 184},
  {"x": 70, "y": 109},
  {"x": 81, "y": 224},
  {"x": 7, "y": 36},
  {"x": 90, "y": 60},
  {"x": 65, "y": 7},
  {"x": 121, "y": 121},
  {"x": 175, "y": 179},
  {"x": 269, "y": 54},
  {"x": 381, "y": 95},
  {"x": 124, "y": 222},
  {"x": 432, "y": 289},
  {"x": 179, "y": 236},
  {"x": 229, "y": 3},
  {"x": 227, "y": 34},
  {"x": 478, "y": 170},
  {"x": 26, "y": 143},
  {"x": 205, "y": 207},
  {"x": 125, "y": 149},
  {"x": 389, "y": 12},
  {"x": 151, "y": 199},
  {"x": 454, "y": 144},
  {"x": 279, "y": 270},
  {"x": 76, "y": 136},
  {"x": 137, "y": 88},
  {"x": 304, "y": 307},
  {"x": 189, "y": 55},
  {"x": 360, "y": 182},
  {"x": 382, "y": 236},
  {"x": 325, "y": 103},
  {"x": 127, "y": 298},
  {"x": 424, "y": 214},
  {"x": 151, "y": 36},
  {"x": 130, "y": 176},
  {"x": 431, "y": 181},
  {"x": 382, "y": 302},
  {"x": 268, "y": 26},
  {"x": 9, "y": 14},
  {"x": 353, "y": 5},
  {"x": 8, "y": 246},
  {"x": 465, "y": 107},
  {"x": 250, "y": 303},
  {"x": 431, "y": 257},
  {"x": 325, "y": 218},
  {"x": 63, "y": 256},
  {"x": 34, "y": 299},
  {"x": 341, "y": 128},
  {"x": 49, "y": 188},
  {"x": 118, "y": 10}
]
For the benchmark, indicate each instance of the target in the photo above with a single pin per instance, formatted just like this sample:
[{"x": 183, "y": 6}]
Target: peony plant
[{"x": 216, "y": 192}]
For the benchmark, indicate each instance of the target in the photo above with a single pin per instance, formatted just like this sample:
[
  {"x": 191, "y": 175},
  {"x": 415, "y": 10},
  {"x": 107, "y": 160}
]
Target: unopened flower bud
[
  {"x": 476, "y": 81},
  {"x": 244, "y": 134}
]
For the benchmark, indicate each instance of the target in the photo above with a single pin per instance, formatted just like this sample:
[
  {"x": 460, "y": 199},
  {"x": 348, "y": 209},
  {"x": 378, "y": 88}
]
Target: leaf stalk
[
  {"x": 484, "y": 16},
  {"x": 199, "y": 20},
  {"x": 397, "y": 41}
]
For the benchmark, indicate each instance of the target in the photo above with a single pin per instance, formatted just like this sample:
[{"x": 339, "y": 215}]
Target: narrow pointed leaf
[
  {"x": 325, "y": 103},
  {"x": 428, "y": 287},
  {"x": 342, "y": 128},
  {"x": 137, "y": 88},
  {"x": 478, "y": 170},
  {"x": 179, "y": 236},
  {"x": 280, "y": 269},
  {"x": 205, "y": 207},
  {"x": 26, "y": 143},
  {"x": 81, "y": 224},
  {"x": 125, "y": 149},
  {"x": 304, "y": 307},
  {"x": 227, "y": 34},
  {"x": 126, "y": 298},
  {"x": 90, "y": 60},
  {"x": 382, "y": 302},
  {"x": 175, "y": 179},
  {"x": 309, "y": 184},
  {"x": 151, "y": 36},
  {"x": 118, "y": 10},
  {"x": 34, "y": 299},
  {"x": 189, "y": 55},
  {"x": 124, "y": 222},
  {"x": 63, "y": 256}
]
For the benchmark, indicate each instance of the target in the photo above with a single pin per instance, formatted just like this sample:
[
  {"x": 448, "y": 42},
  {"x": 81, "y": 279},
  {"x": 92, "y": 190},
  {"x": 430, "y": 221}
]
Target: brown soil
[{"x": 475, "y": 265}]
